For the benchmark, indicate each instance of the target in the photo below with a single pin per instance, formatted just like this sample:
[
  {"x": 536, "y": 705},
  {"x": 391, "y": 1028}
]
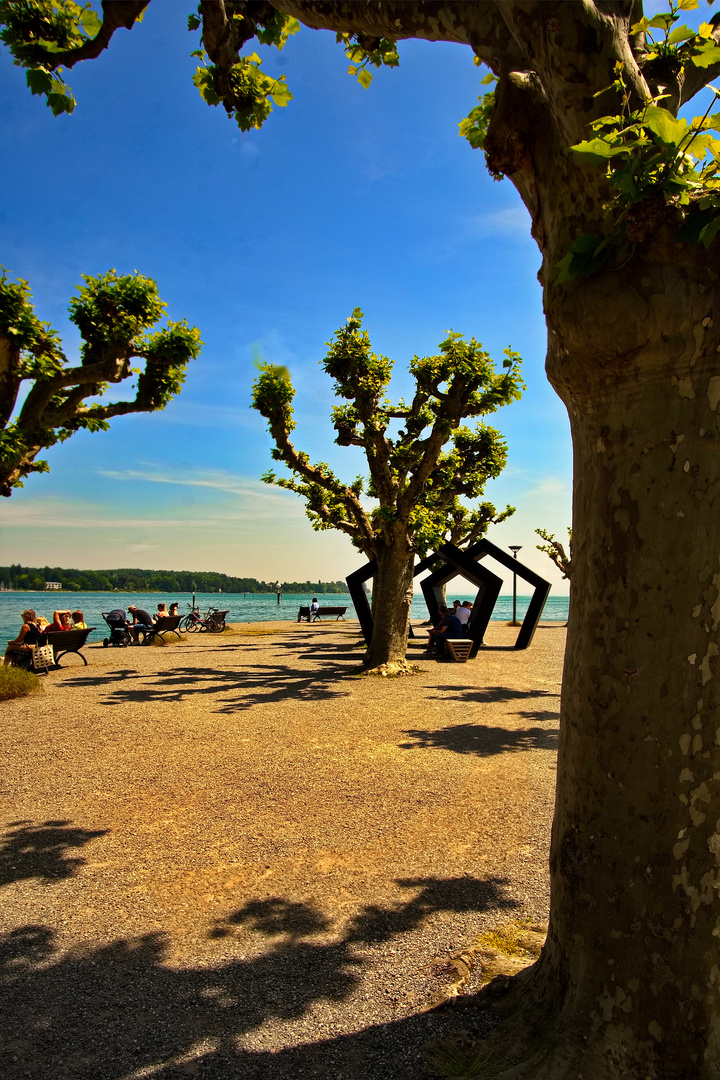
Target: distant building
[{"x": 53, "y": 585}]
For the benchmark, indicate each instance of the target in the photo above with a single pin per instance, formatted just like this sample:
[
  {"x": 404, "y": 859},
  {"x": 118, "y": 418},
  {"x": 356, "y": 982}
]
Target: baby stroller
[{"x": 119, "y": 633}]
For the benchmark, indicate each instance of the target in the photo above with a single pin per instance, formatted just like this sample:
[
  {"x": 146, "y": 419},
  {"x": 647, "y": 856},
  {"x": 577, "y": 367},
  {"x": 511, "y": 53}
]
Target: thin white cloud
[
  {"x": 507, "y": 221},
  {"x": 241, "y": 486}
]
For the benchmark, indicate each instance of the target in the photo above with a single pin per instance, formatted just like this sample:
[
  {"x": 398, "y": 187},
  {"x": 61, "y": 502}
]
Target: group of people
[
  {"x": 141, "y": 619},
  {"x": 451, "y": 624},
  {"x": 35, "y": 626}
]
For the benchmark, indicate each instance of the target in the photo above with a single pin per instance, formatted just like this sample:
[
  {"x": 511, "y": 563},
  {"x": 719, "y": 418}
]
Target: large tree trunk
[
  {"x": 627, "y": 986},
  {"x": 392, "y": 594},
  {"x": 629, "y": 982}
]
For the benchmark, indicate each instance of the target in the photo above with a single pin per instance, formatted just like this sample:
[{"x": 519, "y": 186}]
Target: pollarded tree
[
  {"x": 422, "y": 460},
  {"x": 555, "y": 551},
  {"x": 583, "y": 120},
  {"x": 44, "y": 399}
]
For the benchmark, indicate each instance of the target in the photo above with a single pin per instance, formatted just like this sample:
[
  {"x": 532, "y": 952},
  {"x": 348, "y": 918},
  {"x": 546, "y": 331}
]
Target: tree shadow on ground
[
  {"x": 40, "y": 851},
  {"x": 252, "y": 685},
  {"x": 487, "y": 695},
  {"x": 121, "y": 1010},
  {"x": 480, "y": 740}
]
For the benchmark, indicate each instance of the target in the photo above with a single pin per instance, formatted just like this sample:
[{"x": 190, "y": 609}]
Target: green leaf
[
  {"x": 90, "y": 22},
  {"x": 39, "y": 81},
  {"x": 706, "y": 56},
  {"x": 710, "y": 231},
  {"x": 281, "y": 93},
  {"x": 664, "y": 125},
  {"x": 662, "y": 21},
  {"x": 194, "y": 22},
  {"x": 688, "y": 5},
  {"x": 489, "y": 78},
  {"x": 586, "y": 255},
  {"x": 60, "y": 103},
  {"x": 640, "y": 27},
  {"x": 595, "y": 151},
  {"x": 680, "y": 33},
  {"x": 364, "y": 78}
]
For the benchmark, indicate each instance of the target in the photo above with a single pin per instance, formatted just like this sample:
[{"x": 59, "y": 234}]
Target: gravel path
[{"x": 231, "y": 857}]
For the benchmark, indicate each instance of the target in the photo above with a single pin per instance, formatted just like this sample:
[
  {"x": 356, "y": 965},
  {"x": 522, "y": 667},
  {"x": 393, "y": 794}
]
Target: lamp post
[{"x": 514, "y": 548}]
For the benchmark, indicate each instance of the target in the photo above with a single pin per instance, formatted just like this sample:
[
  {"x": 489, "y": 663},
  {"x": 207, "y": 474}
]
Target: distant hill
[{"x": 33, "y": 578}]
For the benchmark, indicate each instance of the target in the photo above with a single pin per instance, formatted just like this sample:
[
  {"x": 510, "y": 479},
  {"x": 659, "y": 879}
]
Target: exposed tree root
[{"x": 394, "y": 670}]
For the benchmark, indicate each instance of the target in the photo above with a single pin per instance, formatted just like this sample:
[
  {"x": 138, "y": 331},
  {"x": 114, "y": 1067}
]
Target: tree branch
[{"x": 117, "y": 15}]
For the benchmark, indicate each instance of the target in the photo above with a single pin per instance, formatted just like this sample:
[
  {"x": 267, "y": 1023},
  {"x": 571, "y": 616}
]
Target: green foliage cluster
[
  {"x": 238, "y": 83},
  {"x": 33, "y": 578},
  {"x": 44, "y": 35},
  {"x": 36, "y": 31},
  {"x": 474, "y": 127},
  {"x": 116, "y": 316},
  {"x": 654, "y": 161},
  {"x": 363, "y": 51},
  {"x": 422, "y": 460},
  {"x": 15, "y": 683}
]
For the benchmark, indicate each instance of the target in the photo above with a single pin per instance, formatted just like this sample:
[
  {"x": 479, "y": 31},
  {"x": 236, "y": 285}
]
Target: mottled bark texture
[{"x": 627, "y": 986}]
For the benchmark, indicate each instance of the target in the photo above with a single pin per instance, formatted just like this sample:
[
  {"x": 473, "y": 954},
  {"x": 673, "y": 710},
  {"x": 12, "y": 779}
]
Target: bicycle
[
  {"x": 191, "y": 621},
  {"x": 213, "y": 621}
]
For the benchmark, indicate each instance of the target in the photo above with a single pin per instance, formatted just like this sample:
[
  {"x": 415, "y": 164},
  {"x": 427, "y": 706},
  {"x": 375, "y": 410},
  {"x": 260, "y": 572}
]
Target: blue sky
[{"x": 266, "y": 240}]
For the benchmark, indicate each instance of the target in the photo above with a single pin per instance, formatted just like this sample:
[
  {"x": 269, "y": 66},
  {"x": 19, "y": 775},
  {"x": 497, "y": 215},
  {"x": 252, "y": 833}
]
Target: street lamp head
[{"x": 515, "y": 548}]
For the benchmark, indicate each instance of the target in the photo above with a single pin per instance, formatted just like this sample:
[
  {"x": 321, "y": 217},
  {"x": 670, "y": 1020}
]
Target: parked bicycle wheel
[
  {"x": 215, "y": 625},
  {"x": 190, "y": 624}
]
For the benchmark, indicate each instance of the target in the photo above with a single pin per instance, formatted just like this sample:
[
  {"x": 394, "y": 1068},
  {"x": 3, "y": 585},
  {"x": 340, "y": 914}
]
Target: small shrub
[{"x": 15, "y": 682}]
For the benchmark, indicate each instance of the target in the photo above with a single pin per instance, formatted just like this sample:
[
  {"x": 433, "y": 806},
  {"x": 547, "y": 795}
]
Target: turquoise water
[{"x": 251, "y": 607}]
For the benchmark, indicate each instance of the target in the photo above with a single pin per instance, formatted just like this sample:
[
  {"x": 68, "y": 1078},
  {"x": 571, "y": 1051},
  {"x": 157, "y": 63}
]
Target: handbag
[{"x": 43, "y": 657}]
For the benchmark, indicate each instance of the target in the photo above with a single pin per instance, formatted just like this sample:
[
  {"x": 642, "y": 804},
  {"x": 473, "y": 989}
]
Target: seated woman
[
  {"x": 62, "y": 620},
  {"x": 161, "y": 612},
  {"x": 78, "y": 622},
  {"x": 174, "y": 608},
  {"x": 19, "y": 651}
]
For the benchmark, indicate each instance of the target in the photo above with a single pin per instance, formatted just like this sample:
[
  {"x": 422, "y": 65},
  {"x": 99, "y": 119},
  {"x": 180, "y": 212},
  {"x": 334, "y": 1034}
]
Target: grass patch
[
  {"x": 461, "y": 1057},
  {"x": 15, "y": 683},
  {"x": 506, "y": 939}
]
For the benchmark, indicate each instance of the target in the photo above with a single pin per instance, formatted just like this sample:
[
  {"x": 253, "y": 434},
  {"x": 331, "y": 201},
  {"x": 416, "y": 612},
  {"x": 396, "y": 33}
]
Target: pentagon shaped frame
[
  {"x": 541, "y": 588},
  {"x": 488, "y": 584},
  {"x": 465, "y": 563}
]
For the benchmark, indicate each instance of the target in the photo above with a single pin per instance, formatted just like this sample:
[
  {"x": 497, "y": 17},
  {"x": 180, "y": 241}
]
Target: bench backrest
[
  {"x": 68, "y": 640},
  {"x": 166, "y": 622}
]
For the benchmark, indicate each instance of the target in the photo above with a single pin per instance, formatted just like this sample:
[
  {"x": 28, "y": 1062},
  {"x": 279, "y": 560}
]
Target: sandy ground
[{"x": 231, "y": 857}]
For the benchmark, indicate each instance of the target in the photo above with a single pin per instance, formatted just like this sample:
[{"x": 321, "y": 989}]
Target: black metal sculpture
[{"x": 467, "y": 563}]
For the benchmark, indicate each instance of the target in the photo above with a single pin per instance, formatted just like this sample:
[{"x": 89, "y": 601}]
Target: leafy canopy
[
  {"x": 117, "y": 316},
  {"x": 423, "y": 461}
]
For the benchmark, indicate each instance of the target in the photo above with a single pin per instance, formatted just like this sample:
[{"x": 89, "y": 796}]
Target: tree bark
[
  {"x": 392, "y": 593},
  {"x": 627, "y": 986}
]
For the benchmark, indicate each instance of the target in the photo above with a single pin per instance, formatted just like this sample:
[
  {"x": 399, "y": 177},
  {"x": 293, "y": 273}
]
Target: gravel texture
[{"x": 231, "y": 857}]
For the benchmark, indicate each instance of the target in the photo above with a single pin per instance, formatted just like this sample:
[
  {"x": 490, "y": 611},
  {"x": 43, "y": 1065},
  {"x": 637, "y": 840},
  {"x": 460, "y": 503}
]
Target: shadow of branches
[
  {"x": 251, "y": 685},
  {"x": 481, "y": 740},
  {"x": 40, "y": 851},
  {"x": 121, "y": 1010}
]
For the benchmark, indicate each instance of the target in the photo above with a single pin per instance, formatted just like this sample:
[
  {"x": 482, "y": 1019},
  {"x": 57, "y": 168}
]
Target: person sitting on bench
[
  {"x": 448, "y": 627},
  {"x": 142, "y": 620}
]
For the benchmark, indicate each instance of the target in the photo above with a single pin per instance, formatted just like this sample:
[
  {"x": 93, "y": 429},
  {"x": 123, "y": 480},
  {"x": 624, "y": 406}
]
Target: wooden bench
[
  {"x": 166, "y": 624},
  {"x": 304, "y": 612},
  {"x": 459, "y": 648},
  {"x": 67, "y": 641},
  {"x": 338, "y": 611}
]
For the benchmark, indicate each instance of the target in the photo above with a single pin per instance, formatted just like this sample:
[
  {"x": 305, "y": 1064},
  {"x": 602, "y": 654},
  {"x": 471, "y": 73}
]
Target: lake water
[{"x": 249, "y": 607}]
